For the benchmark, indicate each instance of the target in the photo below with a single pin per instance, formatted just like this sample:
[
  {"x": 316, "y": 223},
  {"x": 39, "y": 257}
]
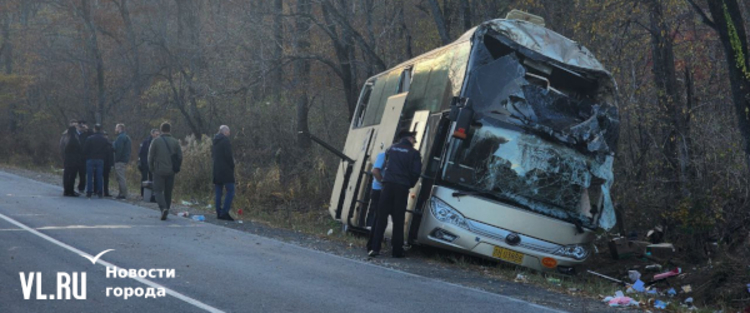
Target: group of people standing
[{"x": 90, "y": 155}]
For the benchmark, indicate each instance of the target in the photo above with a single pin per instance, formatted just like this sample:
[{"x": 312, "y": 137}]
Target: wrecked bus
[{"x": 517, "y": 127}]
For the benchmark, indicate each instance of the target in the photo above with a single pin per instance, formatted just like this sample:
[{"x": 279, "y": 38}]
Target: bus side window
[
  {"x": 362, "y": 107},
  {"x": 405, "y": 80}
]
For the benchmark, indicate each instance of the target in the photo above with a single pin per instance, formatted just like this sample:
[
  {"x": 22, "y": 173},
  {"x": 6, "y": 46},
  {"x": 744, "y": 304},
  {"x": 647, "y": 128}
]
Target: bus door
[
  {"x": 418, "y": 125},
  {"x": 358, "y": 192}
]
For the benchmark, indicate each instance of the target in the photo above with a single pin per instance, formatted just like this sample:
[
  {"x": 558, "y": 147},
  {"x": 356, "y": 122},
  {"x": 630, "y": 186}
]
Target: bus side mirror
[{"x": 464, "y": 117}]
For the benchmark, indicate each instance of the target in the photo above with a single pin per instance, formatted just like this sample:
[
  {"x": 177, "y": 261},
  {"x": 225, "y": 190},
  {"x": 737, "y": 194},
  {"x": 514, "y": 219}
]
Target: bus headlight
[
  {"x": 577, "y": 252},
  {"x": 446, "y": 214}
]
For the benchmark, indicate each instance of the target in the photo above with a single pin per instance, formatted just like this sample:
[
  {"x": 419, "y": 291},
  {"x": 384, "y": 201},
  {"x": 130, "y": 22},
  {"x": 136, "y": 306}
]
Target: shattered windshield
[{"x": 531, "y": 173}]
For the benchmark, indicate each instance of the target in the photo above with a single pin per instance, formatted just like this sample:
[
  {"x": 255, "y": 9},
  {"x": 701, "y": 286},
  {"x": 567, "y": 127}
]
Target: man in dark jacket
[
  {"x": 109, "y": 162},
  {"x": 122, "y": 157},
  {"x": 83, "y": 133},
  {"x": 221, "y": 153},
  {"x": 402, "y": 170},
  {"x": 163, "y": 166},
  {"x": 95, "y": 149},
  {"x": 146, "y": 175},
  {"x": 72, "y": 151}
]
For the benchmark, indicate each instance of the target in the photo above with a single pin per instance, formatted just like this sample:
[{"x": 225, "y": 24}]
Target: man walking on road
[
  {"x": 122, "y": 157},
  {"x": 146, "y": 174},
  {"x": 221, "y": 153},
  {"x": 71, "y": 148},
  {"x": 95, "y": 149},
  {"x": 402, "y": 170},
  {"x": 164, "y": 160}
]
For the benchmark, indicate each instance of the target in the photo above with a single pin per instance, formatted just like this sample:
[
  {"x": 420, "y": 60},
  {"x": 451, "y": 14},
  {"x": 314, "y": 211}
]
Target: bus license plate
[{"x": 508, "y": 255}]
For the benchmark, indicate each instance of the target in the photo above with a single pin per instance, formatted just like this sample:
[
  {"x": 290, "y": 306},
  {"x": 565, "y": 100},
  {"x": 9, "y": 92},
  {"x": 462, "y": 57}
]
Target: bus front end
[{"x": 526, "y": 169}]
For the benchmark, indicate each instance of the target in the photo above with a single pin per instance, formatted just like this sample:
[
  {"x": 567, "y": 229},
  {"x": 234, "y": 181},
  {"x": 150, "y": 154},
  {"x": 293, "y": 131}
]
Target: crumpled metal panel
[
  {"x": 544, "y": 41},
  {"x": 500, "y": 90}
]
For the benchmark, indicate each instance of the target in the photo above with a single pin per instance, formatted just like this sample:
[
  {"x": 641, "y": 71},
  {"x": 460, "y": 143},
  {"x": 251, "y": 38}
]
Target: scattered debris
[
  {"x": 199, "y": 218},
  {"x": 209, "y": 206},
  {"x": 330, "y": 232},
  {"x": 520, "y": 278},
  {"x": 660, "y": 251},
  {"x": 634, "y": 275},
  {"x": 620, "y": 300},
  {"x": 671, "y": 292},
  {"x": 655, "y": 235},
  {"x": 639, "y": 286},
  {"x": 606, "y": 277},
  {"x": 666, "y": 275},
  {"x": 239, "y": 212},
  {"x": 188, "y": 203},
  {"x": 653, "y": 268},
  {"x": 623, "y": 248},
  {"x": 554, "y": 280},
  {"x": 687, "y": 289},
  {"x": 183, "y": 214},
  {"x": 240, "y": 221},
  {"x": 658, "y": 304}
]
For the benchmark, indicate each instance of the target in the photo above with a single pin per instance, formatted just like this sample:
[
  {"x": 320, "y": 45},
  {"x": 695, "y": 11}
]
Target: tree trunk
[
  {"x": 137, "y": 80},
  {"x": 464, "y": 10},
  {"x": 437, "y": 15},
  {"x": 731, "y": 28},
  {"x": 276, "y": 76},
  {"x": 405, "y": 33},
  {"x": 665, "y": 79},
  {"x": 302, "y": 74}
]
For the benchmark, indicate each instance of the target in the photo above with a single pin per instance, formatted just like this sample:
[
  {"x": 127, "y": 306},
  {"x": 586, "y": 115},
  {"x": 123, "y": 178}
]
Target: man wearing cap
[{"x": 402, "y": 169}]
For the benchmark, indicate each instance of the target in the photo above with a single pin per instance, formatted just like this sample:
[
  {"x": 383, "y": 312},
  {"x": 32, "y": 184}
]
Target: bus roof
[
  {"x": 531, "y": 36},
  {"x": 543, "y": 41}
]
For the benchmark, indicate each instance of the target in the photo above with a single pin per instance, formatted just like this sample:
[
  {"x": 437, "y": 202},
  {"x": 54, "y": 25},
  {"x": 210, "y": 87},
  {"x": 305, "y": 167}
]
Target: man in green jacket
[
  {"x": 161, "y": 165},
  {"x": 122, "y": 147}
]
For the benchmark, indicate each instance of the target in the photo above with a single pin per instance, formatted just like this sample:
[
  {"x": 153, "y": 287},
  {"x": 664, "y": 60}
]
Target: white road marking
[
  {"x": 100, "y": 227},
  {"x": 144, "y": 281}
]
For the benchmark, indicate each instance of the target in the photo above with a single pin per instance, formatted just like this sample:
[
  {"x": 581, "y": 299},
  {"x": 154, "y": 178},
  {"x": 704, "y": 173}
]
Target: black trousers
[
  {"x": 69, "y": 179},
  {"x": 372, "y": 211},
  {"x": 393, "y": 202},
  {"x": 81, "y": 178}
]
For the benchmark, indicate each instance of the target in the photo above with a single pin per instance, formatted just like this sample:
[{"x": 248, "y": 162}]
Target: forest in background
[{"x": 272, "y": 68}]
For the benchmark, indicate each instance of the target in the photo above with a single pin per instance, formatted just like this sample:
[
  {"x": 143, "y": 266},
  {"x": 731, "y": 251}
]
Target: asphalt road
[{"x": 217, "y": 269}]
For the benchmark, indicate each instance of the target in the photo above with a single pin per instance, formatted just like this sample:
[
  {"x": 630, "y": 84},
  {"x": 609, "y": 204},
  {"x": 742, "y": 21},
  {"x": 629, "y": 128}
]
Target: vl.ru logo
[{"x": 67, "y": 285}]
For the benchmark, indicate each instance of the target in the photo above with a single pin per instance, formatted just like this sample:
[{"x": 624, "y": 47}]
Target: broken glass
[{"x": 533, "y": 173}]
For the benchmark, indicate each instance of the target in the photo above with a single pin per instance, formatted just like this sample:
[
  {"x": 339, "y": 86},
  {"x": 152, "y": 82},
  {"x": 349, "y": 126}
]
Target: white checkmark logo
[{"x": 96, "y": 258}]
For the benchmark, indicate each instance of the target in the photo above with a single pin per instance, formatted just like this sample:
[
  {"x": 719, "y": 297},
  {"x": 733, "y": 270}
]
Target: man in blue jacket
[
  {"x": 403, "y": 167},
  {"x": 122, "y": 157}
]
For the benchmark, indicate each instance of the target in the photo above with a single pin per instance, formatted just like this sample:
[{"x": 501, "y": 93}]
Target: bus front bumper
[{"x": 494, "y": 242}]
